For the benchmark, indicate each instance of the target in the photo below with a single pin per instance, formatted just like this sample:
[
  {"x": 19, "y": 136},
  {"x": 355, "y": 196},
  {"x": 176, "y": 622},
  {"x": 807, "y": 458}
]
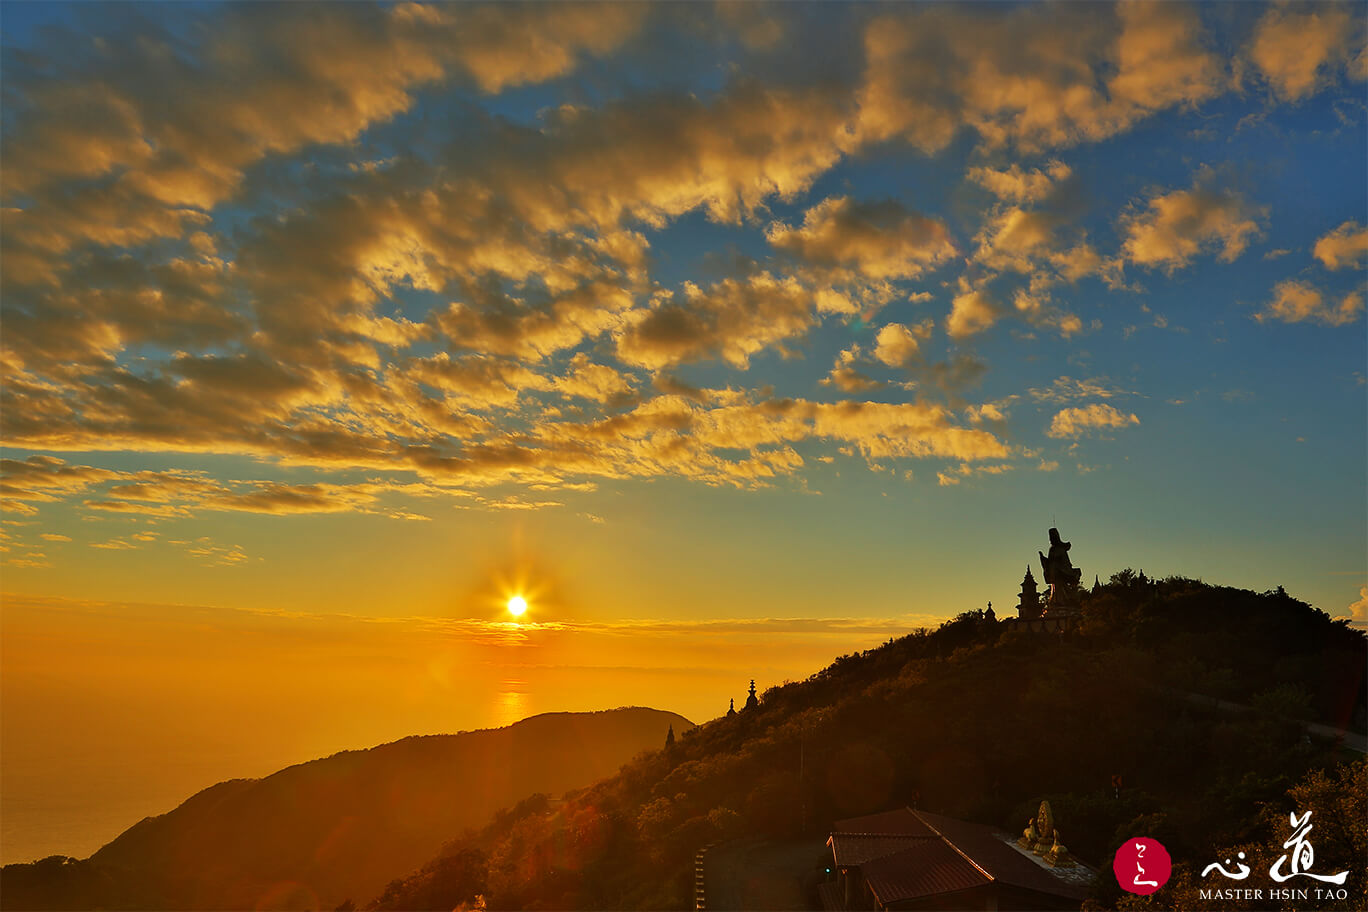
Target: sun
[{"x": 517, "y": 605}]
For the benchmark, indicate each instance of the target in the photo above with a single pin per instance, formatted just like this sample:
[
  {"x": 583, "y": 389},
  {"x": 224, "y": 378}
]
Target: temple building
[
  {"x": 1029, "y": 607},
  {"x": 752, "y": 701},
  {"x": 913, "y": 859}
]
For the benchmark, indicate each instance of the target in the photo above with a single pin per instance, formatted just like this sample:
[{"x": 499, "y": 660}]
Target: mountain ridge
[{"x": 323, "y": 831}]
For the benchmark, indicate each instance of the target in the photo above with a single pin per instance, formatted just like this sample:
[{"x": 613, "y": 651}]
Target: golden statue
[
  {"x": 1058, "y": 856},
  {"x": 1031, "y": 836},
  {"x": 1044, "y": 829}
]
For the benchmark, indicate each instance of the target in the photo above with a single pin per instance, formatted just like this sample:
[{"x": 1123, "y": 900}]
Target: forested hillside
[{"x": 968, "y": 721}]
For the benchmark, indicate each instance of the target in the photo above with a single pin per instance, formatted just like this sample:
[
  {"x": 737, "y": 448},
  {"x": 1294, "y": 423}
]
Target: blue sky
[{"x": 813, "y": 283}]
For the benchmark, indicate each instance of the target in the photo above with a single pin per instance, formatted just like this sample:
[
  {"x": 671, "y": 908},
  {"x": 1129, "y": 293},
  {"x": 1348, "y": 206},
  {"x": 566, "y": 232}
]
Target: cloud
[
  {"x": 1017, "y": 185},
  {"x": 1035, "y": 78},
  {"x": 846, "y": 375},
  {"x": 897, "y": 345},
  {"x": 733, "y": 320},
  {"x": 876, "y": 240},
  {"x": 1013, "y": 237},
  {"x": 180, "y": 126},
  {"x": 1172, "y": 228},
  {"x": 211, "y": 554},
  {"x": 47, "y": 478},
  {"x": 1296, "y": 301},
  {"x": 55, "y": 537},
  {"x": 971, "y": 311},
  {"x": 1300, "y": 49},
  {"x": 1358, "y": 610},
  {"x": 1038, "y": 243},
  {"x": 1079, "y": 421},
  {"x": 280, "y": 499},
  {"x": 592, "y": 381},
  {"x": 964, "y": 471},
  {"x": 1343, "y": 248},
  {"x": 114, "y": 544},
  {"x": 1040, "y": 310},
  {"x": 1067, "y": 389}
]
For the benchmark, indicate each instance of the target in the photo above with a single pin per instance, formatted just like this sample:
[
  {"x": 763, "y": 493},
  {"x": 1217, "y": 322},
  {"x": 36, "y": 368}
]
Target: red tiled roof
[
  {"x": 999, "y": 859},
  {"x": 850, "y": 849},
  {"x": 902, "y": 822},
  {"x": 928, "y": 868},
  {"x": 832, "y": 896},
  {"x": 907, "y": 854}
]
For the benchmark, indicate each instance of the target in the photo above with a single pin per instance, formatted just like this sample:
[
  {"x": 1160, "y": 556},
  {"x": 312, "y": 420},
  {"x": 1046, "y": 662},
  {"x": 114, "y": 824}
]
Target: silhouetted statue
[
  {"x": 1060, "y": 573},
  {"x": 751, "y": 701}
]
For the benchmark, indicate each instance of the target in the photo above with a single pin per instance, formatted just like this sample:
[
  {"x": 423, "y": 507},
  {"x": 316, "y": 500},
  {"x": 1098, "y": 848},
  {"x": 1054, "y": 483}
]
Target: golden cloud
[
  {"x": 898, "y": 345},
  {"x": 876, "y": 240},
  {"x": 1173, "y": 228},
  {"x": 1037, "y": 78},
  {"x": 1018, "y": 185},
  {"x": 1078, "y": 421},
  {"x": 733, "y": 320},
  {"x": 1299, "y": 49},
  {"x": 1345, "y": 247},
  {"x": 1295, "y": 301},
  {"x": 971, "y": 311}
]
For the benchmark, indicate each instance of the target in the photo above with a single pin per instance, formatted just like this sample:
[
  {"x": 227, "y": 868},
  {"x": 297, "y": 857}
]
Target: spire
[
  {"x": 732, "y": 710},
  {"x": 751, "y": 701},
  {"x": 1029, "y": 607},
  {"x": 669, "y": 738}
]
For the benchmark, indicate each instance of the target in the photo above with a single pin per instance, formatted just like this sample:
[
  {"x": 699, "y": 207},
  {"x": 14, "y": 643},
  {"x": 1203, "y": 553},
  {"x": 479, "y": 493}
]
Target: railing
[{"x": 700, "y": 884}]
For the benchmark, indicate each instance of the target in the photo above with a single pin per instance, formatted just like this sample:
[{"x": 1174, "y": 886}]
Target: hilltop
[
  {"x": 320, "y": 833},
  {"x": 968, "y": 721}
]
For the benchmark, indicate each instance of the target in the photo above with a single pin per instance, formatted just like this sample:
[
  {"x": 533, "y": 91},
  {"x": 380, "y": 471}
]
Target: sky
[{"x": 734, "y": 337}]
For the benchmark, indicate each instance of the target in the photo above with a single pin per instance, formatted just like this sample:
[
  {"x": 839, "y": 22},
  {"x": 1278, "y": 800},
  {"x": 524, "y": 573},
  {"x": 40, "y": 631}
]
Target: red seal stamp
[{"x": 1142, "y": 865}]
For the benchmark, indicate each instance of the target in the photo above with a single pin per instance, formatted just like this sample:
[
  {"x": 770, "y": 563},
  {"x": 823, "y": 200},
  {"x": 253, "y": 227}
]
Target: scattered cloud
[
  {"x": 1067, "y": 389},
  {"x": 1030, "y": 78},
  {"x": 1299, "y": 48},
  {"x": 1079, "y": 421},
  {"x": 733, "y": 320},
  {"x": 964, "y": 471},
  {"x": 1358, "y": 610},
  {"x": 1344, "y": 248},
  {"x": 898, "y": 345},
  {"x": 1296, "y": 301},
  {"x": 873, "y": 240},
  {"x": 1015, "y": 184},
  {"x": 971, "y": 311},
  {"x": 1171, "y": 229}
]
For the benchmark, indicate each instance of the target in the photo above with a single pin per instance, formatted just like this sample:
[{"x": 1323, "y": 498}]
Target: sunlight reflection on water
[{"x": 511, "y": 703}]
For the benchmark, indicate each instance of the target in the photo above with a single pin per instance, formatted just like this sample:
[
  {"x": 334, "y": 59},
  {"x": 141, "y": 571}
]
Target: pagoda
[{"x": 1029, "y": 609}]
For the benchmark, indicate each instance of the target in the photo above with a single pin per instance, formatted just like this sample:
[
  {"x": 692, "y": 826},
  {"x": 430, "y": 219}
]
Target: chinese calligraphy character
[
  {"x": 1244, "y": 869},
  {"x": 1301, "y": 855},
  {"x": 1140, "y": 871}
]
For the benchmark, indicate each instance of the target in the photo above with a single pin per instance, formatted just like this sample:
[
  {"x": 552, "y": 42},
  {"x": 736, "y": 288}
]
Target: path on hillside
[{"x": 764, "y": 876}]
